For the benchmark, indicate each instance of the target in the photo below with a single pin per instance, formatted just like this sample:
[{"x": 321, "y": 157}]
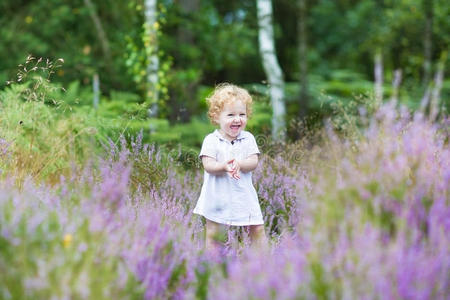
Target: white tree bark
[
  {"x": 96, "y": 89},
  {"x": 425, "y": 99},
  {"x": 271, "y": 68},
  {"x": 378, "y": 77},
  {"x": 396, "y": 85},
  {"x": 436, "y": 92},
  {"x": 153, "y": 61},
  {"x": 433, "y": 92}
]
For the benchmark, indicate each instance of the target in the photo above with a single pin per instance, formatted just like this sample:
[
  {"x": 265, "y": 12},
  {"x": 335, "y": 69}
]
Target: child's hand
[{"x": 233, "y": 169}]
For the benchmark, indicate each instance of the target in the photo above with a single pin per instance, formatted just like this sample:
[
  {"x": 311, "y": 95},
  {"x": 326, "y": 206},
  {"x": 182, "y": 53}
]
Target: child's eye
[
  {"x": 242, "y": 115},
  {"x": 230, "y": 115}
]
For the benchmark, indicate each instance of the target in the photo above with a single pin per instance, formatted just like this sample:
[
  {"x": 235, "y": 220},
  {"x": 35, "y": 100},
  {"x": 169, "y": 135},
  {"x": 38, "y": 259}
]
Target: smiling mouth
[{"x": 235, "y": 126}]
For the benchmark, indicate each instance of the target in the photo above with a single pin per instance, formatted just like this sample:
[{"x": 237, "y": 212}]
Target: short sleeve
[
  {"x": 208, "y": 147},
  {"x": 252, "y": 147}
]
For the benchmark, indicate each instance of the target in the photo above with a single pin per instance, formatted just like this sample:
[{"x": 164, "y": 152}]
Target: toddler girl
[{"x": 229, "y": 155}]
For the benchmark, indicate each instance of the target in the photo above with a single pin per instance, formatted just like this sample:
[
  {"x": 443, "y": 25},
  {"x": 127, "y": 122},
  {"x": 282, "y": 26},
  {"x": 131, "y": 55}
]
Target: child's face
[{"x": 232, "y": 119}]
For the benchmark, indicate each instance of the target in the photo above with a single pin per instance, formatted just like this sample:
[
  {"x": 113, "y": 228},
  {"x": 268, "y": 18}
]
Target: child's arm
[
  {"x": 212, "y": 166},
  {"x": 248, "y": 164}
]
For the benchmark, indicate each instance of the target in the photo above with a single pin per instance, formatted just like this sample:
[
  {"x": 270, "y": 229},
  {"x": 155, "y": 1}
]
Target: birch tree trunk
[
  {"x": 425, "y": 99},
  {"x": 96, "y": 90},
  {"x": 396, "y": 84},
  {"x": 436, "y": 92},
  {"x": 153, "y": 60},
  {"x": 378, "y": 77},
  {"x": 432, "y": 93},
  {"x": 303, "y": 61},
  {"x": 271, "y": 68}
]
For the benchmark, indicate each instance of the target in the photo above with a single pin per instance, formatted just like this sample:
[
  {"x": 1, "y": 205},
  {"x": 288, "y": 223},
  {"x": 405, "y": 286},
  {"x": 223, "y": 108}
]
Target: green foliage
[
  {"x": 142, "y": 46},
  {"x": 202, "y": 43},
  {"x": 445, "y": 94},
  {"x": 318, "y": 282},
  {"x": 76, "y": 94},
  {"x": 193, "y": 133},
  {"x": 46, "y": 29},
  {"x": 260, "y": 122},
  {"x": 122, "y": 109},
  {"x": 43, "y": 131},
  {"x": 221, "y": 42},
  {"x": 202, "y": 274},
  {"x": 42, "y": 142}
]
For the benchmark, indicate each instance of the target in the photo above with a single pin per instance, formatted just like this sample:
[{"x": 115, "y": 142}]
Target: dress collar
[{"x": 242, "y": 135}]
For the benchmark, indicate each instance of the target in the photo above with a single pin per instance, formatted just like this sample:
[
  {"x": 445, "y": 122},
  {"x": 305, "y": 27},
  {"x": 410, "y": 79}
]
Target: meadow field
[
  {"x": 104, "y": 108},
  {"x": 358, "y": 209}
]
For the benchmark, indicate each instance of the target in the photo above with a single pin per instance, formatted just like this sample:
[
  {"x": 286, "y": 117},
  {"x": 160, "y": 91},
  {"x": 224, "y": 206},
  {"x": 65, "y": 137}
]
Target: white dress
[{"x": 223, "y": 199}]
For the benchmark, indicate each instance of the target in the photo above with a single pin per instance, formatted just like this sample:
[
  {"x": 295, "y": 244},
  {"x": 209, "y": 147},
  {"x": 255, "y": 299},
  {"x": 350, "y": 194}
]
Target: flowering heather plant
[
  {"x": 360, "y": 218},
  {"x": 373, "y": 217},
  {"x": 281, "y": 190},
  {"x": 131, "y": 243},
  {"x": 47, "y": 250}
]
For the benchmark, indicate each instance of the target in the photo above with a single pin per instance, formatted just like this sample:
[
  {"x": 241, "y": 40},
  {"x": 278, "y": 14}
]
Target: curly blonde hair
[{"x": 226, "y": 93}]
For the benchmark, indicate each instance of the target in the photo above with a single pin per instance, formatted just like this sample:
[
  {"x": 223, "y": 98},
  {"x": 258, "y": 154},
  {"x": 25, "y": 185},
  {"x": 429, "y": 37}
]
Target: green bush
[{"x": 43, "y": 138}]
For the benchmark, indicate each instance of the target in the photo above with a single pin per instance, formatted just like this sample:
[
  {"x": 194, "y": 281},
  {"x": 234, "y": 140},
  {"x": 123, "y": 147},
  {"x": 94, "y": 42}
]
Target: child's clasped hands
[{"x": 233, "y": 169}]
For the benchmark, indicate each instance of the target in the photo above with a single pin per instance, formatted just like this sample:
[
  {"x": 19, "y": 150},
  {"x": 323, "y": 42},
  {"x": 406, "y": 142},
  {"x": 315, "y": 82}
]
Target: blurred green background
[{"x": 201, "y": 43}]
